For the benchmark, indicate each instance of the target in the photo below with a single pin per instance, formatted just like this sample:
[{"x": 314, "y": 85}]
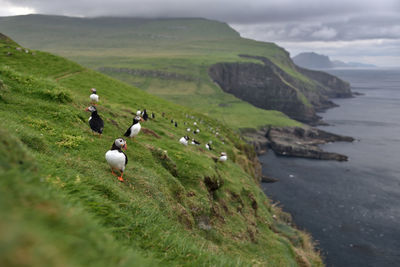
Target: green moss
[{"x": 70, "y": 141}]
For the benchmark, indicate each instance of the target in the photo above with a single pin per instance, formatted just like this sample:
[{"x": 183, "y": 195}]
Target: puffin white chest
[
  {"x": 94, "y": 97},
  {"x": 183, "y": 141},
  {"x": 223, "y": 158},
  {"x": 116, "y": 159},
  {"x": 135, "y": 129}
]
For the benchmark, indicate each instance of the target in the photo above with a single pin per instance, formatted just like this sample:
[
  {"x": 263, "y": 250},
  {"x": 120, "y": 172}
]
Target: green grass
[
  {"x": 60, "y": 205},
  {"x": 183, "y": 46}
]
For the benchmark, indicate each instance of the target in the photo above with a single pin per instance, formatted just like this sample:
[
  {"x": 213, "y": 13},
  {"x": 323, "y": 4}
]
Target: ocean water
[{"x": 351, "y": 208}]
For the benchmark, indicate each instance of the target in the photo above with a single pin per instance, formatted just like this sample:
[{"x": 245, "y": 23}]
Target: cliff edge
[{"x": 268, "y": 86}]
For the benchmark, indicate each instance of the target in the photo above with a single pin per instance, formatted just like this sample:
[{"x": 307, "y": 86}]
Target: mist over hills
[{"x": 313, "y": 60}]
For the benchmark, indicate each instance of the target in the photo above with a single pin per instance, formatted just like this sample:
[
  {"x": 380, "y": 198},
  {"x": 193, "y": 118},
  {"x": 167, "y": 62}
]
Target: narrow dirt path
[{"x": 68, "y": 75}]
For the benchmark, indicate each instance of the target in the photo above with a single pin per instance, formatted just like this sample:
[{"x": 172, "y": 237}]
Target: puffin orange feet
[{"x": 120, "y": 177}]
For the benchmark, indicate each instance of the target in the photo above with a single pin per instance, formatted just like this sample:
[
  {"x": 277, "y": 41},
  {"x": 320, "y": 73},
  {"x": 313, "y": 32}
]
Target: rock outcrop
[
  {"x": 301, "y": 142},
  {"x": 296, "y": 142},
  {"x": 333, "y": 86},
  {"x": 268, "y": 86}
]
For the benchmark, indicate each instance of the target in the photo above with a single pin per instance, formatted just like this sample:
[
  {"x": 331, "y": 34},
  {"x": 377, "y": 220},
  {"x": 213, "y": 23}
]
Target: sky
[{"x": 365, "y": 31}]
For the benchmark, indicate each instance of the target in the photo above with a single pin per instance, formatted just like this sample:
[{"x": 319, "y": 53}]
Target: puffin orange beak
[
  {"x": 125, "y": 146},
  {"x": 141, "y": 119},
  {"x": 86, "y": 109}
]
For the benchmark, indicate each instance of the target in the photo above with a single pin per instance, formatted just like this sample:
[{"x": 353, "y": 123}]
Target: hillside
[
  {"x": 313, "y": 60},
  {"x": 171, "y": 58},
  {"x": 60, "y": 205}
]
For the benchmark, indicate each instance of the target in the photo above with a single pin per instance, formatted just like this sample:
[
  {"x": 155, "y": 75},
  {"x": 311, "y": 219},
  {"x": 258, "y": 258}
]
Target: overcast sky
[{"x": 351, "y": 30}]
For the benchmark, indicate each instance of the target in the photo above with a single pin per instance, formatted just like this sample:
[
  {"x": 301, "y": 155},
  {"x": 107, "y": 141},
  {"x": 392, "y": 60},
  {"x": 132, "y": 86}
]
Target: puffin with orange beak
[
  {"x": 116, "y": 158},
  {"x": 95, "y": 121},
  {"x": 134, "y": 129}
]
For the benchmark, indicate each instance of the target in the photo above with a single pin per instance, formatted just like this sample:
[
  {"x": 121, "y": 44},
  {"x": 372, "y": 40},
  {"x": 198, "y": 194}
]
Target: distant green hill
[
  {"x": 171, "y": 58},
  {"x": 60, "y": 205}
]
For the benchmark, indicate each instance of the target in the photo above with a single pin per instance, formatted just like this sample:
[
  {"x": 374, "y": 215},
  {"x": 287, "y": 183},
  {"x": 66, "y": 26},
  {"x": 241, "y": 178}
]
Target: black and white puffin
[
  {"x": 145, "y": 116},
  {"x": 223, "y": 157},
  {"x": 153, "y": 116},
  {"x": 94, "y": 97},
  {"x": 208, "y": 146},
  {"x": 95, "y": 122},
  {"x": 184, "y": 140},
  {"x": 195, "y": 142},
  {"x": 134, "y": 129},
  {"x": 116, "y": 158},
  {"x": 176, "y": 124}
]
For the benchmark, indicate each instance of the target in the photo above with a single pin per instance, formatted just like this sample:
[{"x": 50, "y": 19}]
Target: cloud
[
  {"x": 233, "y": 11},
  {"x": 290, "y": 22},
  {"x": 8, "y": 9},
  {"x": 354, "y": 28},
  {"x": 325, "y": 33}
]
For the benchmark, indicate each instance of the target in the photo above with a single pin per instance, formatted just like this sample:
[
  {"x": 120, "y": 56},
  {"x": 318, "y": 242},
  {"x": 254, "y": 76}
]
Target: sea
[{"x": 352, "y": 209}]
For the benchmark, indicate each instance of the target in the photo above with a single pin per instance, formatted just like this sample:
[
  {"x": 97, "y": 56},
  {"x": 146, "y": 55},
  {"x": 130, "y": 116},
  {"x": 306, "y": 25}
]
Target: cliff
[
  {"x": 332, "y": 86},
  {"x": 268, "y": 86}
]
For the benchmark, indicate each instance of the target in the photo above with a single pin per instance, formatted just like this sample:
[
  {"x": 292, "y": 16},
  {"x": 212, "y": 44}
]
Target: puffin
[
  {"x": 116, "y": 158},
  {"x": 195, "y": 142},
  {"x": 153, "y": 116},
  {"x": 134, "y": 129},
  {"x": 95, "y": 122},
  {"x": 184, "y": 140},
  {"x": 208, "y": 146},
  {"x": 145, "y": 116},
  {"x": 94, "y": 97},
  {"x": 176, "y": 124},
  {"x": 223, "y": 157}
]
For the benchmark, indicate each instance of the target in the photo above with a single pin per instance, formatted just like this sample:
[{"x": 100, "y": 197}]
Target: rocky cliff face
[
  {"x": 296, "y": 142},
  {"x": 304, "y": 142},
  {"x": 331, "y": 86},
  {"x": 267, "y": 86}
]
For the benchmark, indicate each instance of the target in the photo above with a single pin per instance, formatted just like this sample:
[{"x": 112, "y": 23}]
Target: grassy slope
[
  {"x": 60, "y": 206},
  {"x": 184, "y": 46}
]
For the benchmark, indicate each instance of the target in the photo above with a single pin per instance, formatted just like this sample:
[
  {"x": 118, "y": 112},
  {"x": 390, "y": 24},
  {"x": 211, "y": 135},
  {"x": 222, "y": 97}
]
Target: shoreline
[
  {"x": 301, "y": 142},
  {"x": 349, "y": 207}
]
